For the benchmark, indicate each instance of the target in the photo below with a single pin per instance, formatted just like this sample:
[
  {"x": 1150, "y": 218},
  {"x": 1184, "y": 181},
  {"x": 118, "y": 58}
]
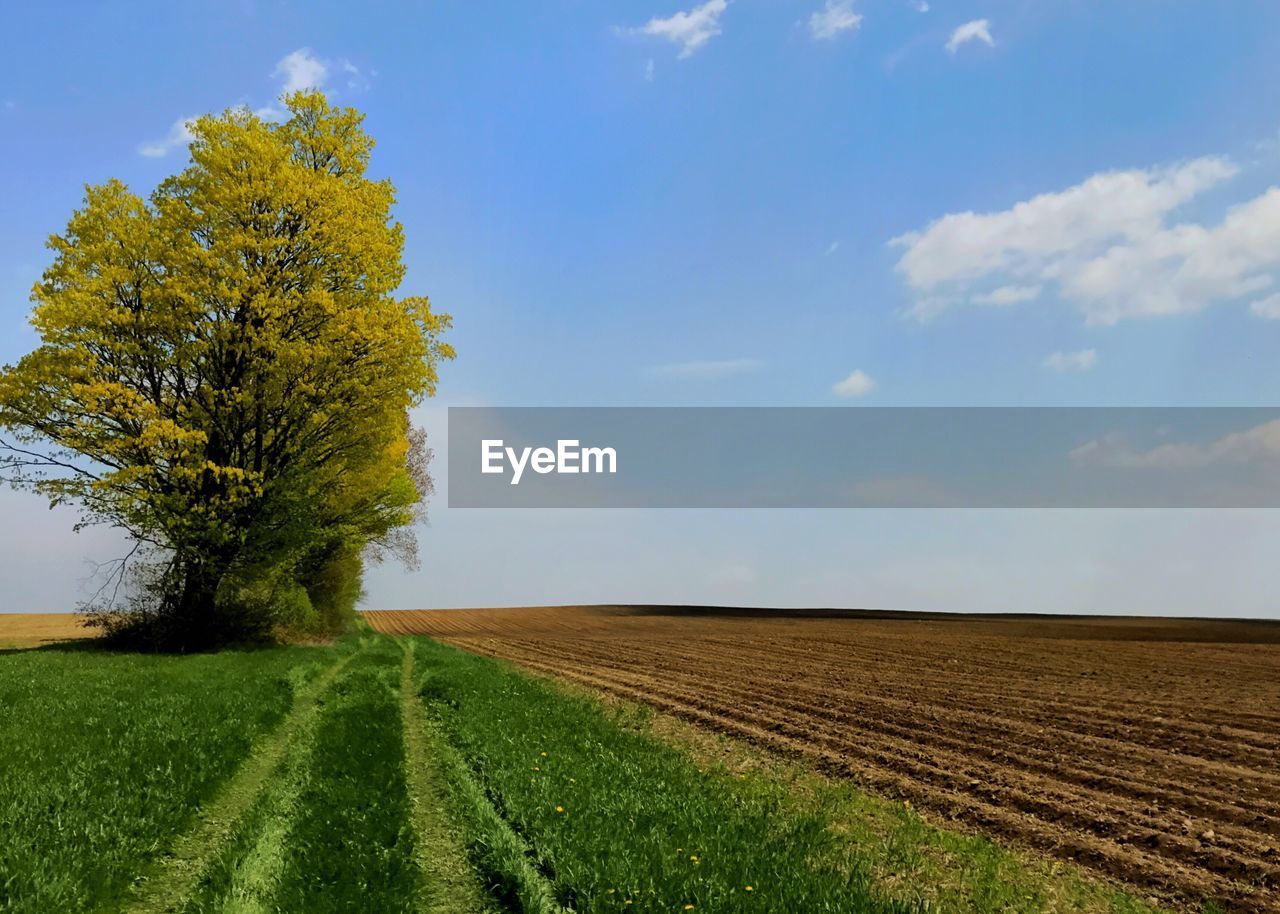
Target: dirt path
[
  {"x": 169, "y": 883},
  {"x": 448, "y": 884}
]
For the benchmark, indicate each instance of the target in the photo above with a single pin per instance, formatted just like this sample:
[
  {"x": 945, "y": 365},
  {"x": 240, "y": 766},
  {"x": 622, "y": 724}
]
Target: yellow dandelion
[
  {"x": 688, "y": 907},
  {"x": 750, "y": 889},
  {"x": 559, "y": 809}
]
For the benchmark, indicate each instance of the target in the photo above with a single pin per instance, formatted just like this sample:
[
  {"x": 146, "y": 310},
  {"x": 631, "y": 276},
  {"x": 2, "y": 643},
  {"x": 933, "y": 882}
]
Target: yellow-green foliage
[
  {"x": 333, "y": 588},
  {"x": 224, "y": 369}
]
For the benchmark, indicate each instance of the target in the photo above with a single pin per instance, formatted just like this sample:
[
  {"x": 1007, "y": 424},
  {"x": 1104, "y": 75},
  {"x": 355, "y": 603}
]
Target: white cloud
[
  {"x": 705, "y": 369},
  {"x": 1075, "y": 362},
  {"x": 1109, "y": 245},
  {"x": 919, "y": 6},
  {"x": 301, "y": 71},
  {"x": 926, "y": 307},
  {"x": 1258, "y": 445},
  {"x": 691, "y": 29},
  {"x": 857, "y": 384},
  {"x": 179, "y": 135},
  {"x": 1183, "y": 268},
  {"x": 831, "y": 249},
  {"x": 648, "y": 70},
  {"x": 1268, "y": 308},
  {"x": 977, "y": 30},
  {"x": 1105, "y": 207},
  {"x": 1007, "y": 295},
  {"x": 836, "y": 17},
  {"x": 357, "y": 79}
]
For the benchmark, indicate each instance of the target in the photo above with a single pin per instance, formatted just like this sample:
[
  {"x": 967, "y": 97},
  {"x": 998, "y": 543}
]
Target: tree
[{"x": 225, "y": 373}]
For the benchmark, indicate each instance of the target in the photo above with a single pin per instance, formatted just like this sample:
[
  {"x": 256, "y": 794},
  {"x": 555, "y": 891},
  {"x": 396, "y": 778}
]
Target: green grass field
[{"x": 400, "y": 775}]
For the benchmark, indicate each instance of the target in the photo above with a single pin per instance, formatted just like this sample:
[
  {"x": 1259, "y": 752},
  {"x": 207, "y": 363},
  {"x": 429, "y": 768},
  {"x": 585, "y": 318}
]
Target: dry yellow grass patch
[{"x": 35, "y": 629}]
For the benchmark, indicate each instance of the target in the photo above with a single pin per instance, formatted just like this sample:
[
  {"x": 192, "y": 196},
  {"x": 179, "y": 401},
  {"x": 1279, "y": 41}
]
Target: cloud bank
[
  {"x": 1259, "y": 445},
  {"x": 1111, "y": 245}
]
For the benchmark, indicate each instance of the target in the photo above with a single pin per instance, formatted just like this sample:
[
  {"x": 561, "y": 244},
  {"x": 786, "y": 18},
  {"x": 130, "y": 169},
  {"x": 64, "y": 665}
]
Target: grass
[
  {"x": 447, "y": 882},
  {"x": 392, "y": 776},
  {"x": 339, "y": 828},
  {"x": 172, "y": 879},
  {"x": 642, "y": 794},
  {"x": 106, "y": 756},
  {"x": 505, "y": 862},
  {"x": 617, "y": 821},
  {"x": 909, "y": 857},
  {"x": 351, "y": 848},
  {"x": 242, "y": 879}
]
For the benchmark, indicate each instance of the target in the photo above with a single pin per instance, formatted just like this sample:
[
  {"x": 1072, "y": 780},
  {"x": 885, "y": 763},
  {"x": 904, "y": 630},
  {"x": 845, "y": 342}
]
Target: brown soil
[
  {"x": 35, "y": 629},
  {"x": 1145, "y": 749}
]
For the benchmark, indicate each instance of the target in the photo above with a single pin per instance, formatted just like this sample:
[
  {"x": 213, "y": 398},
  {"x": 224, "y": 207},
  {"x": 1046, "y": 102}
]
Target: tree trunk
[{"x": 194, "y": 622}]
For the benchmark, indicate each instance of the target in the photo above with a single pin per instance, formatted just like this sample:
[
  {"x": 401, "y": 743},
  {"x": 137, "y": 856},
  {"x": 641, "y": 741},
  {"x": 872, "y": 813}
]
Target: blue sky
[{"x": 747, "y": 202}]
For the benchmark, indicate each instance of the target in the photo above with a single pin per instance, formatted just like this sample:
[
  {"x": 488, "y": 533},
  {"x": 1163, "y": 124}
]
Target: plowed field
[{"x": 1147, "y": 750}]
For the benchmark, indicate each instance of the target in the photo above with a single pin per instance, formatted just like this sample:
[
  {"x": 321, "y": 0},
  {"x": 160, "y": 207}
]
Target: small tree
[{"x": 225, "y": 373}]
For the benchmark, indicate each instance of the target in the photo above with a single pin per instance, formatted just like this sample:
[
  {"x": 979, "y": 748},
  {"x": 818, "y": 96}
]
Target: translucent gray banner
[{"x": 860, "y": 457}]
